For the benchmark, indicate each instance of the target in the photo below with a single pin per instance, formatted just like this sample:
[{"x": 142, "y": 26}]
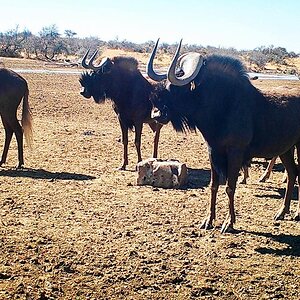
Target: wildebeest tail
[{"x": 27, "y": 120}]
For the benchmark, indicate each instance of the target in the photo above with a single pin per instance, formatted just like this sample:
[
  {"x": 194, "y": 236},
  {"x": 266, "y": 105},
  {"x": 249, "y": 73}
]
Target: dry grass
[{"x": 73, "y": 227}]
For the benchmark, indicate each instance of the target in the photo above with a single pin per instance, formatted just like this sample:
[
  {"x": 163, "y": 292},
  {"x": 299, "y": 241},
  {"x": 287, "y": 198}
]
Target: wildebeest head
[
  {"x": 181, "y": 75},
  {"x": 94, "y": 83},
  {"x": 167, "y": 102},
  {"x": 160, "y": 99}
]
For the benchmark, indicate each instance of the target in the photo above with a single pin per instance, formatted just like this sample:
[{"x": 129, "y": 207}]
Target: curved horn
[
  {"x": 91, "y": 66},
  {"x": 149, "y": 68},
  {"x": 190, "y": 63},
  {"x": 83, "y": 62}
]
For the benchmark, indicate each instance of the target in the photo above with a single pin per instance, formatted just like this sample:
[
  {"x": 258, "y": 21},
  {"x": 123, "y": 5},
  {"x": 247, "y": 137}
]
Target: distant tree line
[{"x": 50, "y": 44}]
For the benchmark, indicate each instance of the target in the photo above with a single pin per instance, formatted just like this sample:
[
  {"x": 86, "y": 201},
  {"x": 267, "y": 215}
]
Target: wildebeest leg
[
  {"x": 292, "y": 172},
  {"x": 297, "y": 214},
  {"x": 207, "y": 223},
  {"x": 267, "y": 173},
  {"x": 246, "y": 175},
  {"x": 137, "y": 141},
  {"x": 234, "y": 162},
  {"x": 125, "y": 146},
  {"x": 8, "y": 137},
  {"x": 11, "y": 124},
  {"x": 156, "y": 127},
  {"x": 19, "y": 136}
]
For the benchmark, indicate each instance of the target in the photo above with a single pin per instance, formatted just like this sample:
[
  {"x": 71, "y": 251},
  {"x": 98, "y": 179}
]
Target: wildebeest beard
[
  {"x": 168, "y": 107},
  {"x": 85, "y": 78},
  {"x": 87, "y": 81}
]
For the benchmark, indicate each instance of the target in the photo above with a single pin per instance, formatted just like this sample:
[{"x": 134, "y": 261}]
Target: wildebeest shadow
[
  {"x": 44, "y": 174},
  {"x": 278, "y": 166},
  {"x": 197, "y": 178},
  {"x": 292, "y": 243},
  {"x": 279, "y": 194}
]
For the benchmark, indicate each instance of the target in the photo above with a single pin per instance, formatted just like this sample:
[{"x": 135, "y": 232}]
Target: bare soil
[{"x": 74, "y": 227}]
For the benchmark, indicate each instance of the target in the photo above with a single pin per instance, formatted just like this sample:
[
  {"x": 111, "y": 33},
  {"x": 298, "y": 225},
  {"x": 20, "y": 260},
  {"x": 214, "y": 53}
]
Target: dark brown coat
[{"x": 13, "y": 88}]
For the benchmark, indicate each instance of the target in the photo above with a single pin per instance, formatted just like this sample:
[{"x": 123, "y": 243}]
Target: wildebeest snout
[
  {"x": 160, "y": 115},
  {"x": 155, "y": 113},
  {"x": 85, "y": 93}
]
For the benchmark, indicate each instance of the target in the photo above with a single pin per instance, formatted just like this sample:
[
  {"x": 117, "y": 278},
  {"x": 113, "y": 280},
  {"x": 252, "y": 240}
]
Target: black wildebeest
[
  {"x": 14, "y": 88},
  {"x": 238, "y": 122},
  {"x": 120, "y": 80}
]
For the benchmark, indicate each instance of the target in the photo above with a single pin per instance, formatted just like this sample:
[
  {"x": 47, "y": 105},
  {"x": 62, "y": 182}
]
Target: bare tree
[
  {"x": 50, "y": 42},
  {"x": 12, "y": 42},
  {"x": 69, "y": 33}
]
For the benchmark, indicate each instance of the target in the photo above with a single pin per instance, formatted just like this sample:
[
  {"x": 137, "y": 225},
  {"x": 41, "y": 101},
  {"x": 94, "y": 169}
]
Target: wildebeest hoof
[
  {"x": 227, "y": 228},
  {"x": 279, "y": 216},
  {"x": 262, "y": 179},
  {"x": 122, "y": 168},
  {"x": 206, "y": 224},
  {"x": 19, "y": 166},
  {"x": 297, "y": 217}
]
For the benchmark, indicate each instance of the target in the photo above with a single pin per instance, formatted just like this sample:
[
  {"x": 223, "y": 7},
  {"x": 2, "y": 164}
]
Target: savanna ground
[{"x": 74, "y": 227}]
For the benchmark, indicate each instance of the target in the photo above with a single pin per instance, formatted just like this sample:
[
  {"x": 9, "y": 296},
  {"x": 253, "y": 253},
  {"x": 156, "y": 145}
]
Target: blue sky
[{"x": 242, "y": 24}]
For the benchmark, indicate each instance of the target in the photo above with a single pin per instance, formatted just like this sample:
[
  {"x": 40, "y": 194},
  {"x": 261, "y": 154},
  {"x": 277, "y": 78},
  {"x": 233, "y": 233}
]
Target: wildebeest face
[
  {"x": 160, "y": 100},
  {"x": 93, "y": 85}
]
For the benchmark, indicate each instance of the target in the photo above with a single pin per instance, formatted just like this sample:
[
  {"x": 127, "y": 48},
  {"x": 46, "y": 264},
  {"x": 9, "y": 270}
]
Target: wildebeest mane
[
  {"x": 85, "y": 78},
  {"x": 128, "y": 63},
  {"x": 226, "y": 66}
]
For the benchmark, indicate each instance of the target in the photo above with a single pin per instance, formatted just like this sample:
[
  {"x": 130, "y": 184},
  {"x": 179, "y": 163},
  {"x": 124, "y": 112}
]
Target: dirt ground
[{"x": 74, "y": 227}]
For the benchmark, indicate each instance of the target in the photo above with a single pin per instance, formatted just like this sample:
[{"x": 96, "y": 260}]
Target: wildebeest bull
[
  {"x": 120, "y": 80},
  {"x": 14, "y": 88},
  {"x": 238, "y": 122}
]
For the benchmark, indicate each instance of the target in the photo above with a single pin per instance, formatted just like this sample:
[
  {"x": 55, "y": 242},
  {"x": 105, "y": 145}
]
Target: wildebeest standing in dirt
[
  {"x": 14, "y": 88},
  {"x": 237, "y": 121},
  {"x": 120, "y": 80}
]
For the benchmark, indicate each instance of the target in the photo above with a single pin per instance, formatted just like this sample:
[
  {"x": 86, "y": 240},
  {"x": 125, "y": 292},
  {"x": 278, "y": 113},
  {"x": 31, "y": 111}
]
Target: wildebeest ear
[{"x": 106, "y": 65}]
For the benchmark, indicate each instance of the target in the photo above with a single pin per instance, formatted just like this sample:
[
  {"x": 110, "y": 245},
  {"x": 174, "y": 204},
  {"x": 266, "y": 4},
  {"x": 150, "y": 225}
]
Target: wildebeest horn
[
  {"x": 90, "y": 65},
  {"x": 149, "y": 68},
  {"x": 190, "y": 63},
  {"x": 83, "y": 62}
]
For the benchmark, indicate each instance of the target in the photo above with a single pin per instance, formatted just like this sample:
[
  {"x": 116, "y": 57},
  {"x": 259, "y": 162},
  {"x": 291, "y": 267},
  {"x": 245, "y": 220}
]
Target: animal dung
[{"x": 162, "y": 173}]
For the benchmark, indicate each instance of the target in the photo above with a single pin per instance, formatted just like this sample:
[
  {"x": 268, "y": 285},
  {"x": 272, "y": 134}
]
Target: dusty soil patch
[{"x": 73, "y": 227}]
